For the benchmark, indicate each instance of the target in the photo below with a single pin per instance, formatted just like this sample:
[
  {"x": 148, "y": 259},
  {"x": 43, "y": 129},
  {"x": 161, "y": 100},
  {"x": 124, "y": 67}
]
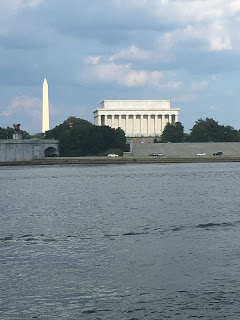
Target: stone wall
[
  {"x": 186, "y": 150},
  {"x": 12, "y": 150}
]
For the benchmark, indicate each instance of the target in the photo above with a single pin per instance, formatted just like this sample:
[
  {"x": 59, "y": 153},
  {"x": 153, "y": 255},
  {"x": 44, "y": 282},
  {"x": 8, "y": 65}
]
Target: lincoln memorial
[{"x": 138, "y": 118}]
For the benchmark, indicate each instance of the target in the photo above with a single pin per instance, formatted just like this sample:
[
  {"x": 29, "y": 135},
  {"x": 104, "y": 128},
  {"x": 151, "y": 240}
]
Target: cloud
[
  {"x": 121, "y": 48},
  {"x": 15, "y": 17},
  {"x": 144, "y": 21},
  {"x": 199, "y": 86},
  {"x": 31, "y": 3},
  {"x": 188, "y": 97},
  {"x": 194, "y": 90},
  {"x": 131, "y": 53},
  {"x": 26, "y": 104},
  {"x": 93, "y": 60},
  {"x": 212, "y": 108},
  {"x": 231, "y": 93},
  {"x": 234, "y": 6},
  {"x": 18, "y": 4},
  {"x": 11, "y": 8},
  {"x": 125, "y": 75},
  {"x": 219, "y": 38}
]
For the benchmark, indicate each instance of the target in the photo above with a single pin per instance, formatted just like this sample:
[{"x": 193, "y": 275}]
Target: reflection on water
[{"x": 120, "y": 242}]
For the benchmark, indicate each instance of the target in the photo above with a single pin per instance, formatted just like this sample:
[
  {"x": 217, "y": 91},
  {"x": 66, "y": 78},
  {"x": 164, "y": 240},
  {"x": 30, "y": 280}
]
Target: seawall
[
  {"x": 26, "y": 149},
  {"x": 86, "y": 161},
  {"x": 186, "y": 150}
]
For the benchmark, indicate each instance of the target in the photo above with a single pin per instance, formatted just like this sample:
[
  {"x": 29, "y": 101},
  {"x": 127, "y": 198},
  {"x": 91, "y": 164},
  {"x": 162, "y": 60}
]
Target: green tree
[
  {"x": 119, "y": 138},
  {"x": 7, "y": 133},
  {"x": 39, "y": 135},
  {"x": 228, "y": 134},
  {"x": 209, "y": 130},
  {"x": 25, "y": 134},
  {"x": 205, "y": 130},
  {"x": 179, "y": 132},
  {"x": 78, "y": 137},
  {"x": 71, "y": 135},
  {"x": 173, "y": 133},
  {"x": 187, "y": 137}
]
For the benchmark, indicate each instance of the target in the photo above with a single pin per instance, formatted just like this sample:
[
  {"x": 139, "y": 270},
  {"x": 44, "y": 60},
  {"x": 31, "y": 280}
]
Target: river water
[{"x": 149, "y": 241}]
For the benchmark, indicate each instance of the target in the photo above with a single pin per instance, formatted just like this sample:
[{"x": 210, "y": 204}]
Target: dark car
[
  {"x": 219, "y": 153},
  {"x": 152, "y": 155}
]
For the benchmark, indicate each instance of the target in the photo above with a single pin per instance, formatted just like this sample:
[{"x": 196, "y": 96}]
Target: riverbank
[{"x": 119, "y": 160}]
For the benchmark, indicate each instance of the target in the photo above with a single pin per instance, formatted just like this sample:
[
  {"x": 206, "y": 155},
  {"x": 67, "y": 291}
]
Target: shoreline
[{"x": 120, "y": 160}]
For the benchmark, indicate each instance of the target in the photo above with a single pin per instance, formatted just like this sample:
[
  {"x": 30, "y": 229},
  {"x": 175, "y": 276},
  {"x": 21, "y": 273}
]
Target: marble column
[
  {"x": 109, "y": 120},
  {"x": 122, "y": 122},
  {"x": 133, "y": 124},
  {"x": 155, "y": 124},
  {"x": 141, "y": 124},
  {"x": 115, "y": 121},
  {"x": 98, "y": 121},
  {"x": 148, "y": 124},
  {"x": 164, "y": 121}
]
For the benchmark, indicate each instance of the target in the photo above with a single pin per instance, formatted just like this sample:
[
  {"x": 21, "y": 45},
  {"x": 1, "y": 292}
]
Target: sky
[{"x": 187, "y": 51}]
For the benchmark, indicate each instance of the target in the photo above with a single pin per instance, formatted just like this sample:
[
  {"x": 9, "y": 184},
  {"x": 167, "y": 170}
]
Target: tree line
[
  {"x": 79, "y": 137},
  {"x": 202, "y": 131},
  {"x": 7, "y": 133}
]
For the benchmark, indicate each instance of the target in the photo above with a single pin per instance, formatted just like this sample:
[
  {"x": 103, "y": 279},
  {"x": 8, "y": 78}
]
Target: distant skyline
[{"x": 186, "y": 51}]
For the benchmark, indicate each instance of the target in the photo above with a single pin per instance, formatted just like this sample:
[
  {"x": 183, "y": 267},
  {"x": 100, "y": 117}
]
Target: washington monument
[{"x": 45, "y": 108}]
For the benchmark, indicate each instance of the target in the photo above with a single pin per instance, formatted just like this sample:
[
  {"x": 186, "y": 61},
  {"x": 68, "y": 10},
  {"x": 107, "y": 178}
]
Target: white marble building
[{"x": 138, "y": 118}]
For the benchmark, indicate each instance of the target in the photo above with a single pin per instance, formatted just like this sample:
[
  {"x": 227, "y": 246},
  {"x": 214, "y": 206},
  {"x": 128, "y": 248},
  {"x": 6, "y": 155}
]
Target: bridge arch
[{"x": 51, "y": 152}]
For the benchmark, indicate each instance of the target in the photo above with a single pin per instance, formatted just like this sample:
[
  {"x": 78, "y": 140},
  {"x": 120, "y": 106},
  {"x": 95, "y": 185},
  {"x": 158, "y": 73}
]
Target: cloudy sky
[{"x": 187, "y": 51}]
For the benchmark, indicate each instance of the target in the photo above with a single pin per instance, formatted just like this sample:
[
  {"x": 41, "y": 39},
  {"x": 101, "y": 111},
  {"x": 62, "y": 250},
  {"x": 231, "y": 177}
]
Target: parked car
[
  {"x": 160, "y": 154},
  {"x": 152, "y": 155},
  {"x": 201, "y": 154},
  {"x": 219, "y": 153},
  {"x": 112, "y": 155}
]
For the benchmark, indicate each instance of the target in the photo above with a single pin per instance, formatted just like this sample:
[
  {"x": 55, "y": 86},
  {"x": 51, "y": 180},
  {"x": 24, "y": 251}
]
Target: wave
[
  {"x": 112, "y": 236},
  {"x": 27, "y": 238},
  {"x": 7, "y": 238},
  {"x": 214, "y": 224},
  {"x": 177, "y": 228},
  {"x": 134, "y": 233},
  {"x": 208, "y": 225}
]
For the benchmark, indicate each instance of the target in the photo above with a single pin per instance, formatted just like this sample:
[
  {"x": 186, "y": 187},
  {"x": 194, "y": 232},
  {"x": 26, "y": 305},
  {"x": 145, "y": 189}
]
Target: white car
[
  {"x": 112, "y": 155},
  {"x": 201, "y": 154}
]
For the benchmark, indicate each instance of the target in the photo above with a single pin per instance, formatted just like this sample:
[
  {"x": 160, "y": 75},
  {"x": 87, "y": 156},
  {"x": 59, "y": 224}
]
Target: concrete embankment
[
  {"x": 120, "y": 160},
  {"x": 186, "y": 150}
]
